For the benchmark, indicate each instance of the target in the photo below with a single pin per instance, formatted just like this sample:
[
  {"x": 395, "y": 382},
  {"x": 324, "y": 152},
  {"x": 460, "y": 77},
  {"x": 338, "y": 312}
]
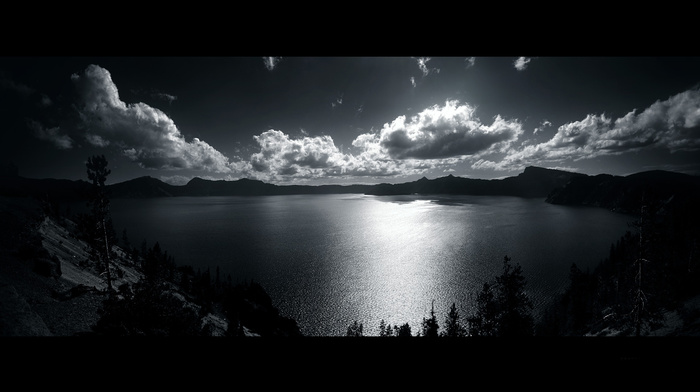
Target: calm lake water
[{"x": 328, "y": 260}]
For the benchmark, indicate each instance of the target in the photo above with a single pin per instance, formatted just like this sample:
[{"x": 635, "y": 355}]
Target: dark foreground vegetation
[{"x": 650, "y": 271}]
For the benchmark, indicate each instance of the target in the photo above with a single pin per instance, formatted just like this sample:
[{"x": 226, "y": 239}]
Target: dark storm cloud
[
  {"x": 145, "y": 134},
  {"x": 673, "y": 125}
]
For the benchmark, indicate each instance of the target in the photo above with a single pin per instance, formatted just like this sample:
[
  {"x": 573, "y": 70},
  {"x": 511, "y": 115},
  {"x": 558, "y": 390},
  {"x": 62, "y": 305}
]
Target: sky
[{"x": 348, "y": 120}]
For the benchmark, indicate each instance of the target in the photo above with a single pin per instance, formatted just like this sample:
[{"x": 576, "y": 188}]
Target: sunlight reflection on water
[{"x": 327, "y": 260}]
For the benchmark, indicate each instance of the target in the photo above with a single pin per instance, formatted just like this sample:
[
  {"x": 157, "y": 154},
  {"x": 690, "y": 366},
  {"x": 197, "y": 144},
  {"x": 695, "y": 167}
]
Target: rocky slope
[{"x": 47, "y": 287}]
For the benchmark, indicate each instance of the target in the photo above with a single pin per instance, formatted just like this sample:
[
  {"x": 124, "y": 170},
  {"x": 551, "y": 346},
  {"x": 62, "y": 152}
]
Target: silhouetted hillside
[
  {"x": 629, "y": 193},
  {"x": 533, "y": 182},
  {"x": 143, "y": 187},
  {"x": 243, "y": 187},
  {"x": 557, "y": 186},
  {"x": 51, "y": 285},
  {"x": 248, "y": 187},
  {"x": 56, "y": 189}
]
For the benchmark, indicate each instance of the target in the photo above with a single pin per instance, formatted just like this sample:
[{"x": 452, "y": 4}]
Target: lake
[{"x": 328, "y": 260}]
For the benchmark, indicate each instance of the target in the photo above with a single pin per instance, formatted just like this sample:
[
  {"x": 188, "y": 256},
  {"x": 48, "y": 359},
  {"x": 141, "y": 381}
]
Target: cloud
[
  {"x": 521, "y": 63},
  {"x": 167, "y": 97},
  {"x": 282, "y": 157},
  {"x": 470, "y": 61},
  {"x": 22, "y": 89},
  {"x": 338, "y": 101},
  {"x": 544, "y": 124},
  {"x": 149, "y": 137},
  {"x": 423, "y": 66},
  {"x": 45, "y": 101},
  {"x": 26, "y": 92},
  {"x": 673, "y": 124},
  {"x": 305, "y": 157},
  {"x": 52, "y": 135},
  {"x": 441, "y": 132},
  {"x": 271, "y": 62},
  {"x": 145, "y": 134},
  {"x": 96, "y": 140}
]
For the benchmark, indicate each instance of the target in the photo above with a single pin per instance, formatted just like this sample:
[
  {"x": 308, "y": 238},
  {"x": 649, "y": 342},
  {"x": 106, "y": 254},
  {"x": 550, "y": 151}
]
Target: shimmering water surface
[{"x": 328, "y": 260}]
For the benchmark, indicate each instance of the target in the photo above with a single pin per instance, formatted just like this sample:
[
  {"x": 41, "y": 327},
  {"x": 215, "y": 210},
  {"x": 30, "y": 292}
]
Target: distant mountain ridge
[
  {"x": 621, "y": 193},
  {"x": 629, "y": 193},
  {"x": 533, "y": 182}
]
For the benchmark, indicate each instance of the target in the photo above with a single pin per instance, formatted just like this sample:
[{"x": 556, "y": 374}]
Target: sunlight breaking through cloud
[
  {"x": 441, "y": 132},
  {"x": 436, "y": 138}
]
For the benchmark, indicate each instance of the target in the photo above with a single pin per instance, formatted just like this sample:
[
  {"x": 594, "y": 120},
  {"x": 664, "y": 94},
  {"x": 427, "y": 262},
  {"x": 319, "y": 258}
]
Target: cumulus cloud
[
  {"x": 521, "y": 63},
  {"x": 673, "y": 124},
  {"x": 441, "y": 132},
  {"x": 52, "y": 135},
  {"x": 145, "y": 134},
  {"x": 282, "y": 156}
]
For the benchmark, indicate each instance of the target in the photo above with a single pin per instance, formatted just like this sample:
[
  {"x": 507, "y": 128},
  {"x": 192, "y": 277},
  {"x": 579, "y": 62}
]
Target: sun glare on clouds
[{"x": 436, "y": 138}]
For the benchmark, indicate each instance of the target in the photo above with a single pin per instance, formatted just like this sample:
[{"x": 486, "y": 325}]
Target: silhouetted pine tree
[
  {"x": 515, "y": 318},
  {"x": 504, "y": 308},
  {"x": 403, "y": 331},
  {"x": 484, "y": 321},
  {"x": 102, "y": 235},
  {"x": 354, "y": 330},
  {"x": 453, "y": 326},
  {"x": 647, "y": 277},
  {"x": 571, "y": 313},
  {"x": 385, "y": 329},
  {"x": 430, "y": 325}
]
